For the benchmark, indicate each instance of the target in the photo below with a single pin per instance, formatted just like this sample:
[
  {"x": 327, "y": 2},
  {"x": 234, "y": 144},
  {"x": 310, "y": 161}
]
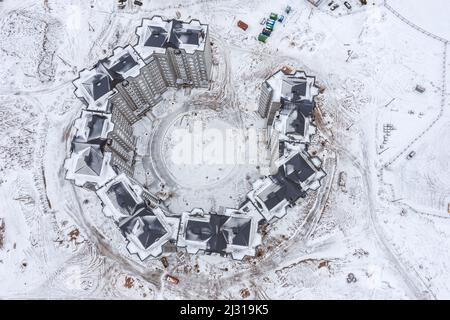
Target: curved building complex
[{"x": 121, "y": 89}]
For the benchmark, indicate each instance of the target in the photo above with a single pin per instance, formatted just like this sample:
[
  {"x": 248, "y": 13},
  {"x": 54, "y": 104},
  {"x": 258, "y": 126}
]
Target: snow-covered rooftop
[
  {"x": 89, "y": 163},
  {"x": 232, "y": 232},
  {"x": 292, "y": 87},
  {"x": 96, "y": 86},
  {"x": 144, "y": 227},
  {"x": 157, "y": 34}
]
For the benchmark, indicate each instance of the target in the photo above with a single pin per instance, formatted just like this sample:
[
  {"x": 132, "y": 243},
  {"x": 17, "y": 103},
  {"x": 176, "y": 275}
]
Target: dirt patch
[
  {"x": 245, "y": 293},
  {"x": 324, "y": 264},
  {"x": 129, "y": 282},
  {"x": 73, "y": 235}
]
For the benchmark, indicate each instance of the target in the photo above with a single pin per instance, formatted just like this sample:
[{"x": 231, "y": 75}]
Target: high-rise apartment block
[{"x": 128, "y": 84}]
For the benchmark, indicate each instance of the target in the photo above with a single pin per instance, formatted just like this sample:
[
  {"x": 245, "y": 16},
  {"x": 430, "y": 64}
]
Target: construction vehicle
[
  {"x": 270, "y": 25},
  {"x": 241, "y": 24},
  {"x": 266, "y": 32},
  {"x": 172, "y": 279},
  {"x": 262, "y": 38}
]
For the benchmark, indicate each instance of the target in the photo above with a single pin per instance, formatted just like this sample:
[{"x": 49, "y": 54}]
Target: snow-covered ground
[{"x": 388, "y": 226}]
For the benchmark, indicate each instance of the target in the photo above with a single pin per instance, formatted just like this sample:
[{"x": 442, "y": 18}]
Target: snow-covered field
[{"x": 388, "y": 226}]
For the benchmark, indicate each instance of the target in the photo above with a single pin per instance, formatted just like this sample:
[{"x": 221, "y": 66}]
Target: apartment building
[
  {"x": 281, "y": 89},
  {"x": 126, "y": 85},
  {"x": 181, "y": 49},
  {"x": 145, "y": 227},
  {"x": 287, "y": 102},
  {"x": 117, "y": 92}
]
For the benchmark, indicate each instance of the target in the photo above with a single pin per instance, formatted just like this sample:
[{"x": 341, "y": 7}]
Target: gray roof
[
  {"x": 145, "y": 226},
  {"x": 219, "y": 232},
  {"x": 299, "y": 89},
  {"x": 306, "y": 107},
  {"x": 199, "y": 230},
  {"x": 122, "y": 198},
  {"x": 238, "y": 230},
  {"x": 107, "y": 73},
  {"x": 286, "y": 190},
  {"x": 173, "y": 36},
  {"x": 152, "y": 231},
  {"x": 98, "y": 85},
  {"x": 296, "y": 122},
  {"x": 90, "y": 163},
  {"x": 95, "y": 126},
  {"x": 157, "y": 37},
  {"x": 121, "y": 66},
  {"x": 297, "y": 169}
]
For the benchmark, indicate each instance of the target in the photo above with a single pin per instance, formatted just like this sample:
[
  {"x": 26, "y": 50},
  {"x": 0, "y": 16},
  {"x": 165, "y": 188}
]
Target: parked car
[
  {"x": 263, "y": 21},
  {"x": 330, "y": 3},
  {"x": 165, "y": 262},
  {"x": 280, "y": 18},
  {"x": 269, "y": 26},
  {"x": 262, "y": 38},
  {"x": 288, "y": 9},
  {"x": 172, "y": 279},
  {"x": 410, "y": 155},
  {"x": 266, "y": 32},
  {"x": 334, "y": 7},
  {"x": 241, "y": 24},
  {"x": 348, "y": 5}
]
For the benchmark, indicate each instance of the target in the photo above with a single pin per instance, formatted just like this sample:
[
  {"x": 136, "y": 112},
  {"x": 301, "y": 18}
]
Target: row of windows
[
  {"x": 122, "y": 165},
  {"x": 120, "y": 151},
  {"x": 125, "y": 140}
]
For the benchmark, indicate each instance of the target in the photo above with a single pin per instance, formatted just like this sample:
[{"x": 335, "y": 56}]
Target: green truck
[
  {"x": 262, "y": 38},
  {"x": 273, "y": 16}
]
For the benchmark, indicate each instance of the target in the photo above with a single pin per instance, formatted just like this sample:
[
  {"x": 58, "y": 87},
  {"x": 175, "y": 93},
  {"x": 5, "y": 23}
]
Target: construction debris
[{"x": 245, "y": 293}]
